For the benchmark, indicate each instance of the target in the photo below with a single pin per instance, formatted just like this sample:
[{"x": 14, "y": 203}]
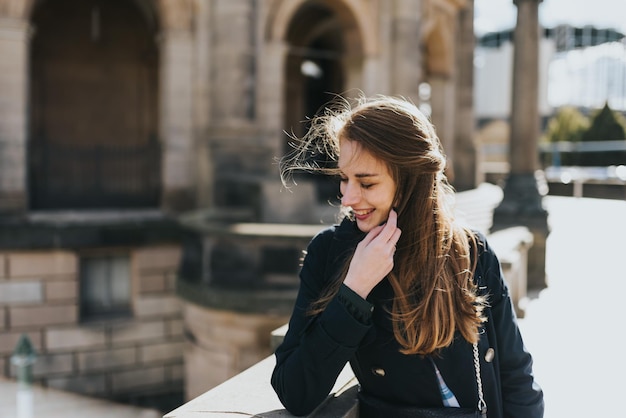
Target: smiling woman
[
  {"x": 414, "y": 301},
  {"x": 366, "y": 185}
]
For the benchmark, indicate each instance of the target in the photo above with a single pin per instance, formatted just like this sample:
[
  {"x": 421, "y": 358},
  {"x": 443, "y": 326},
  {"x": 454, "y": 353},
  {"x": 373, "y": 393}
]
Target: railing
[
  {"x": 94, "y": 176},
  {"x": 563, "y": 167}
]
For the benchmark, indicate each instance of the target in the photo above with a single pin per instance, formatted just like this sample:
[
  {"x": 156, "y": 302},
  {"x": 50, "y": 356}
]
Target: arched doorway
[
  {"x": 314, "y": 73},
  {"x": 93, "y": 106}
]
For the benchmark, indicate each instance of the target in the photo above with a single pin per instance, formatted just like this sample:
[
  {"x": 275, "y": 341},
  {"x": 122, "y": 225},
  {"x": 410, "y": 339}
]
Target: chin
[{"x": 365, "y": 226}]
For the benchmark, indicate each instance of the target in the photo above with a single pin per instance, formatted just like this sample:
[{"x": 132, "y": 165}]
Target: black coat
[{"x": 316, "y": 348}]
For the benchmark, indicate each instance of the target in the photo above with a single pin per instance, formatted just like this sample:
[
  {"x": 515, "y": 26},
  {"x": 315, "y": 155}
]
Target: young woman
[{"x": 416, "y": 303}]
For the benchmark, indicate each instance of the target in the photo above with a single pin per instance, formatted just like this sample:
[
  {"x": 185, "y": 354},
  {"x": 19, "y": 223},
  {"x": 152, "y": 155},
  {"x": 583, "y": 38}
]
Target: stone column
[
  {"x": 442, "y": 102},
  {"x": 176, "y": 119},
  {"x": 406, "y": 57},
  {"x": 205, "y": 176},
  {"x": 14, "y": 37},
  {"x": 465, "y": 148},
  {"x": 234, "y": 67},
  {"x": 522, "y": 202},
  {"x": 270, "y": 98}
]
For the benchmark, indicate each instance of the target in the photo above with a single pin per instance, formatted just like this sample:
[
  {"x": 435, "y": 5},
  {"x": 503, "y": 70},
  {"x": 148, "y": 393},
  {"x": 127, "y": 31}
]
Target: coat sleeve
[
  {"x": 316, "y": 348},
  {"x": 521, "y": 395}
]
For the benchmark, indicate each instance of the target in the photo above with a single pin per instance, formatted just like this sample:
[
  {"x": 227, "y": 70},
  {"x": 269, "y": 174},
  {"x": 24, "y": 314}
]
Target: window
[{"x": 104, "y": 287}]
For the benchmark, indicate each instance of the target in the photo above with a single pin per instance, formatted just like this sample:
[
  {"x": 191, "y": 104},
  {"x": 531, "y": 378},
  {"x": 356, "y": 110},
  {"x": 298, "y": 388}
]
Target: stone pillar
[
  {"x": 406, "y": 57},
  {"x": 176, "y": 119},
  {"x": 271, "y": 89},
  {"x": 14, "y": 37},
  {"x": 438, "y": 40},
  {"x": 442, "y": 102},
  {"x": 465, "y": 163},
  {"x": 234, "y": 68},
  {"x": 522, "y": 202},
  {"x": 205, "y": 176}
]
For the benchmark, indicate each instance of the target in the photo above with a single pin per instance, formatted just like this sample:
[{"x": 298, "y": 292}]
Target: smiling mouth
[{"x": 362, "y": 212}]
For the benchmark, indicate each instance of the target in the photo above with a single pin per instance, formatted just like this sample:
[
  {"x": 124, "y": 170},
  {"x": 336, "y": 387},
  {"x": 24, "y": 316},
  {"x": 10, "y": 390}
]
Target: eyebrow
[{"x": 361, "y": 175}]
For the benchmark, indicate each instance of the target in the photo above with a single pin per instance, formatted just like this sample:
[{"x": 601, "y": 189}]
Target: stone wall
[
  {"x": 121, "y": 358},
  {"x": 222, "y": 344}
]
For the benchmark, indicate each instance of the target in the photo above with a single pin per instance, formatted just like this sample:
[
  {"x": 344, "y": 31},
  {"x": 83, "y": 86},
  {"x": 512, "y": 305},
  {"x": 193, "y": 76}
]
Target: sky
[{"x": 494, "y": 15}]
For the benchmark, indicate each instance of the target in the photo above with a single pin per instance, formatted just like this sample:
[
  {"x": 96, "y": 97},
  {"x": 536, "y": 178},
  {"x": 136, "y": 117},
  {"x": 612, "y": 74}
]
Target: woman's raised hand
[{"x": 373, "y": 257}]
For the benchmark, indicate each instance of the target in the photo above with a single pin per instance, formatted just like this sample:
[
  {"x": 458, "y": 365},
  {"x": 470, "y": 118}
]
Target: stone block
[
  {"x": 152, "y": 306},
  {"x": 174, "y": 328},
  {"x": 62, "y": 290},
  {"x": 29, "y": 316},
  {"x": 170, "y": 281},
  {"x": 8, "y": 341},
  {"x": 124, "y": 381},
  {"x": 48, "y": 364},
  {"x": 235, "y": 336},
  {"x": 107, "y": 359},
  {"x": 175, "y": 372},
  {"x": 21, "y": 292},
  {"x": 93, "y": 385},
  {"x": 249, "y": 356},
  {"x": 42, "y": 264},
  {"x": 163, "y": 352},
  {"x": 157, "y": 258},
  {"x": 152, "y": 283},
  {"x": 75, "y": 338},
  {"x": 216, "y": 327},
  {"x": 205, "y": 369},
  {"x": 137, "y": 331}
]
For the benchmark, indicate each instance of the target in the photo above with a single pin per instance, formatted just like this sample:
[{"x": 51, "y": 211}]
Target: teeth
[{"x": 363, "y": 212}]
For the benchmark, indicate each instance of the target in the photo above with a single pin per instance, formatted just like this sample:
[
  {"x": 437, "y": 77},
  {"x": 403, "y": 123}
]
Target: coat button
[
  {"x": 378, "y": 371},
  {"x": 489, "y": 355}
]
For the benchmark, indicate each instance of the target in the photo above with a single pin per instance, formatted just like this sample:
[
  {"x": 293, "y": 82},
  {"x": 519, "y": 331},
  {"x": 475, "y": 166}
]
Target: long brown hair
[{"x": 433, "y": 268}]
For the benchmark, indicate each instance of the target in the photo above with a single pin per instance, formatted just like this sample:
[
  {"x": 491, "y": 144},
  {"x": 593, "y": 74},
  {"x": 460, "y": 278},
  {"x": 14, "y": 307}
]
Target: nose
[{"x": 351, "y": 194}]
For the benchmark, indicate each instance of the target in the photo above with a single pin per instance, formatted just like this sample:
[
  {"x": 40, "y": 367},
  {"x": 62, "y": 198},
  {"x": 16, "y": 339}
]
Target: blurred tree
[
  {"x": 606, "y": 125},
  {"x": 567, "y": 125}
]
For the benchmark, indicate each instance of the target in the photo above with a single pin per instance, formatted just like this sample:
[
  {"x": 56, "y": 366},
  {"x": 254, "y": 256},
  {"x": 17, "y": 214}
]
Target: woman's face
[{"x": 366, "y": 185}]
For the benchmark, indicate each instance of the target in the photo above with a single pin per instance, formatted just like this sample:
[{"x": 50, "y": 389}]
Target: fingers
[
  {"x": 389, "y": 228},
  {"x": 373, "y": 258},
  {"x": 395, "y": 237}
]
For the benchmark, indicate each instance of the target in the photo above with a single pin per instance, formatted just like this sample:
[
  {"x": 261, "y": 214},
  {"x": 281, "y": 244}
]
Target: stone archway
[
  {"x": 94, "y": 112},
  {"x": 324, "y": 57}
]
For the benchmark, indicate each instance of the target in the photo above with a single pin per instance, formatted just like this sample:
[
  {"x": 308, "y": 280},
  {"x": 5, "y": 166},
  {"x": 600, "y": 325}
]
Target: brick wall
[{"x": 39, "y": 296}]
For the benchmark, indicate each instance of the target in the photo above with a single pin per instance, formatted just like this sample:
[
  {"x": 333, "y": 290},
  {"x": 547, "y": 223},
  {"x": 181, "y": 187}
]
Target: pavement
[
  {"x": 35, "y": 402},
  {"x": 575, "y": 327}
]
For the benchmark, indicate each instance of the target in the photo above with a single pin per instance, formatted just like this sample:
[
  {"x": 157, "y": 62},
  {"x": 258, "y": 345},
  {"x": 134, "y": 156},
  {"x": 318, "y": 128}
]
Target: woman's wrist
[{"x": 357, "y": 287}]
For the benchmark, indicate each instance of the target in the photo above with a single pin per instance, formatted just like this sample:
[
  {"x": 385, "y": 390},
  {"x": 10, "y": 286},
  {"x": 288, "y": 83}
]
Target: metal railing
[{"x": 94, "y": 176}]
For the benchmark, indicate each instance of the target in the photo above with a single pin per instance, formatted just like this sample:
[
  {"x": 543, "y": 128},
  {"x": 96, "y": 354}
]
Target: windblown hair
[{"x": 432, "y": 278}]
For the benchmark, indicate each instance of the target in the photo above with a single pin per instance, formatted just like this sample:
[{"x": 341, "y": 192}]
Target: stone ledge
[
  {"x": 251, "y": 394},
  {"x": 511, "y": 245}
]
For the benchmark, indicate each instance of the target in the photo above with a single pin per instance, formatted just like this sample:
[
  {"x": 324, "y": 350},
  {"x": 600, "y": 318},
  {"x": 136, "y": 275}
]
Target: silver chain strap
[{"x": 482, "y": 405}]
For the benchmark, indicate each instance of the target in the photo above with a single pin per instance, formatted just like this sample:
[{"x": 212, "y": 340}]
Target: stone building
[{"x": 136, "y": 133}]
